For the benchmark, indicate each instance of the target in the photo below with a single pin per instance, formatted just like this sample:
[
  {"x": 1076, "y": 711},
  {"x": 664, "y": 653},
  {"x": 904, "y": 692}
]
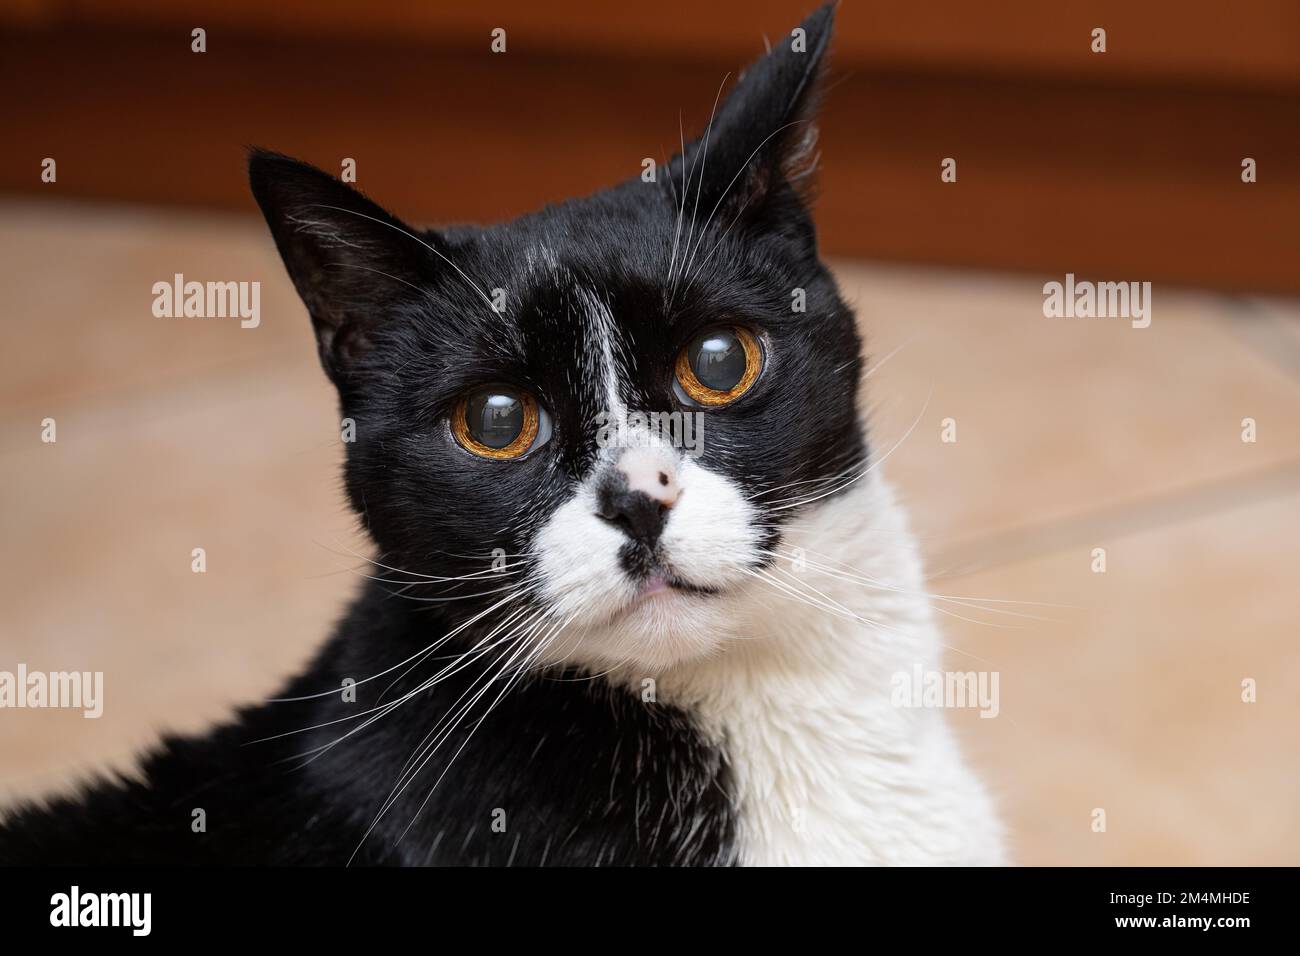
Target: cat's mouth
[
  {"x": 663, "y": 582},
  {"x": 661, "y": 586}
]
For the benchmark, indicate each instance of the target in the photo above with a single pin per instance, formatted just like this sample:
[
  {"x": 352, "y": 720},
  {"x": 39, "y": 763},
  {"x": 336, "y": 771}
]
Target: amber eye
[
  {"x": 719, "y": 366},
  {"x": 499, "y": 421}
]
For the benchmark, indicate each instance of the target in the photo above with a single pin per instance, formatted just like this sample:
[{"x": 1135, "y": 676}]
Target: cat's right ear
[{"x": 351, "y": 261}]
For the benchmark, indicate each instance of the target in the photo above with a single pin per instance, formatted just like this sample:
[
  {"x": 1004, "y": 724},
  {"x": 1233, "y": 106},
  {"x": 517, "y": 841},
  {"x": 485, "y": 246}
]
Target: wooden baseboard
[{"x": 1136, "y": 182}]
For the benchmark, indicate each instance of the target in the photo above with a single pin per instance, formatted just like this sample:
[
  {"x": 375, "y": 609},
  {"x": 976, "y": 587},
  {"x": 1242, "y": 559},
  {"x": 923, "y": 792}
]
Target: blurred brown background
[
  {"x": 1125, "y": 694},
  {"x": 1127, "y": 161}
]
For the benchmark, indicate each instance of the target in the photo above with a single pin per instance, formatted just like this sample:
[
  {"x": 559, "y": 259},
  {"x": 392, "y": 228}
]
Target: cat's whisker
[
  {"x": 513, "y": 622},
  {"x": 876, "y": 463},
  {"x": 681, "y": 209},
  {"x": 856, "y": 465},
  {"x": 352, "y": 265},
  {"x": 721, "y": 239},
  {"x": 472, "y": 284},
  {"x": 875, "y": 624},
  {"x": 937, "y": 606},
  {"x": 743, "y": 166},
  {"x": 966, "y": 600},
  {"x": 451, "y": 723},
  {"x": 455, "y": 631},
  {"x": 508, "y": 622},
  {"x": 517, "y": 633},
  {"x": 454, "y": 582},
  {"x": 575, "y": 645},
  {"x": 876, "y": 366},
  {"x": 431, "y": 581},
  {"x": 668, "y": 175},
  {"x": 523, "y": 634},
  {"x": 510, "y": 683},
  {"x": 447, "y": 600},
  {"x": 823, "y": 600},
  {"x": 802, "y": 598},
  {"x": 379, "y": 712},
  {"x": 377, "y": 709},
  {"x": 406, "y": 776},
  {"x": 970, "y": 620},
  {"x": 704, "y": 165},
  {"x": 443, "y": 578}
]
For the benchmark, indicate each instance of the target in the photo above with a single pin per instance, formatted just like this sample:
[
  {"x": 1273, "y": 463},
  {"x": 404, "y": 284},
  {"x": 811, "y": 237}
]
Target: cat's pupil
[
  {"x": 718, "y": 360},
  {"x": 495, "y": 419}
]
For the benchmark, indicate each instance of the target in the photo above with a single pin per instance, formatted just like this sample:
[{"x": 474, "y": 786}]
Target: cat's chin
[{"x": 662, "y": 625}]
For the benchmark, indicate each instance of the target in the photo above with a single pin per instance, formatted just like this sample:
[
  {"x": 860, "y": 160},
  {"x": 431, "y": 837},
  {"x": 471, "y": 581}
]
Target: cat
[{"x": 585, "y": 645}]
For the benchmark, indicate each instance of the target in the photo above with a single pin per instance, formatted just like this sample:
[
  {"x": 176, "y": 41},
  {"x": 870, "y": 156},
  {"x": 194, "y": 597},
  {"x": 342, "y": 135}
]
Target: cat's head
[{"x": 591, "y": 425}]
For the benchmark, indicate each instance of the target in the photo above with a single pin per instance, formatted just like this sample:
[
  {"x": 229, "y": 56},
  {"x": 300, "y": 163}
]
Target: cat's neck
[
  {"x": 845, "y": 604},
  {"x": 822, "y": 758}
]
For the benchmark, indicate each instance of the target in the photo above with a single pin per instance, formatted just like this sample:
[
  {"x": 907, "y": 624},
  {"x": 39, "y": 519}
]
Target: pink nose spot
[{"x": 651, "y": 472}]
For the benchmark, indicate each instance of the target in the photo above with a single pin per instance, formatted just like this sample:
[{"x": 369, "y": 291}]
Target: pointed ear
[
  {"x": 762, "y": 143},
  {"x": 351, "y": 261}
]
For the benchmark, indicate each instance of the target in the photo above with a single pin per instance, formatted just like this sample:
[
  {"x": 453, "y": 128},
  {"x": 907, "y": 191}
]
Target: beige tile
[
  {"x": 175, "y": 434},
  {"x": 172, "y": 434},
  {"x": 77, "y": 288},
  {"x": 99, "y": 529},
  {"x": 1129, "y": 699},
  {"x": 1056, "y": 417},
  {"x": 1271, "y": 327}
]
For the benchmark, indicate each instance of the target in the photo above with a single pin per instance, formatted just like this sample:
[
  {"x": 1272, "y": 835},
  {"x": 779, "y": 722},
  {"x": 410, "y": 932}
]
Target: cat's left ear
[
  {"x": 353, "y": 263},
  {"x": 759, "y": 154}
]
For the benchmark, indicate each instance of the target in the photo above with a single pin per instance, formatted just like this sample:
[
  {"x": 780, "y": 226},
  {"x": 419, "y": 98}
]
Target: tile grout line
[
  {"x": 1264, "y": 333},
  {"x": 1094, "y": 527}
]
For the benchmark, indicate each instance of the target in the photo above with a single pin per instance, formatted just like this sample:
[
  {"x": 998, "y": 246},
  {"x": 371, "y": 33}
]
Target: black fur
[{"x": 585, "y": 773}]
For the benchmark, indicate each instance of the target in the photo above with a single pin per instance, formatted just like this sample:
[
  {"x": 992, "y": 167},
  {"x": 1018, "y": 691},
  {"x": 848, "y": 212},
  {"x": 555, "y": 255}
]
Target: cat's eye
[
  {"x": 718, "y": 366},
  {"x": 500, "y": 421}
]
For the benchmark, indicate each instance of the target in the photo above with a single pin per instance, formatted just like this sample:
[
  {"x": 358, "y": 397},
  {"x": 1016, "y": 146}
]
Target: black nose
[{"x": 641, "y": 517}]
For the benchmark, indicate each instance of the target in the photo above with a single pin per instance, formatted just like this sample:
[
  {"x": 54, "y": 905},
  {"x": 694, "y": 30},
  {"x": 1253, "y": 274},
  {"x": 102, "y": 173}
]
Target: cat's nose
[{"x": 636, "y": 494}]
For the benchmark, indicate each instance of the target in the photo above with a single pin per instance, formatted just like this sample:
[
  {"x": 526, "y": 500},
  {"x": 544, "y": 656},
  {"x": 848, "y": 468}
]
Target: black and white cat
[{"x": 586, "y": 645}]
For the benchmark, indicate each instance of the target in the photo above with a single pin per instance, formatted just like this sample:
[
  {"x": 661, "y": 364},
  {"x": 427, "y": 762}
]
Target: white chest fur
[{"x": 827, "y": 770}]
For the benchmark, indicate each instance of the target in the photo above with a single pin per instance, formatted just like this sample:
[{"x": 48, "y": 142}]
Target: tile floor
[{"x": 1119, "y": 691}]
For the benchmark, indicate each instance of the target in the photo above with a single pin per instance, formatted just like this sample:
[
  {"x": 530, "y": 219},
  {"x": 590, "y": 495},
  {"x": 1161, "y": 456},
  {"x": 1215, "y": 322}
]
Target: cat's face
[{"x": 586, "y": 429}]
